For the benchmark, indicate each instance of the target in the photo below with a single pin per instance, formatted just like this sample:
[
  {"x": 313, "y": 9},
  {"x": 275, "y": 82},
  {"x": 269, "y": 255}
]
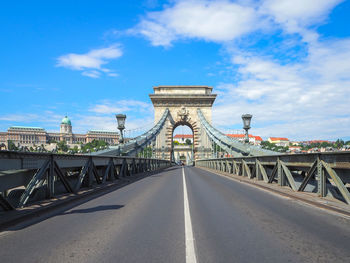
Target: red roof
[
  {"x": 278, "y": 139},
  {"x": 189, "y": 136},
  {"x": 257, "y": 138}
]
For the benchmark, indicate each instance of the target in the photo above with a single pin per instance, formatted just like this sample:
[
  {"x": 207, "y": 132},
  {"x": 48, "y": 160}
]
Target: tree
[
  {"x": 339, "y": 143},
  {"x": 11, "y": 146},
  {"x": 146, "y": 153},
  {"x": 42, "y": 148},
  {"x": 267, "y": 145},
  {"x": 218, "y": 148},
  {"x": 188, "y": 142},
  {"x": 75, "y": 149},
  {"x": 93, "y": 146},
  {"x": 325, "y": 144},
  {"x": 62, "y": 146}
]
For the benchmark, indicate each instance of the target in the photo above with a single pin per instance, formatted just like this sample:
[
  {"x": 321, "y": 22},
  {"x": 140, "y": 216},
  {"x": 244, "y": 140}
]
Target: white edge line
[{"x": 190, "y": 249}]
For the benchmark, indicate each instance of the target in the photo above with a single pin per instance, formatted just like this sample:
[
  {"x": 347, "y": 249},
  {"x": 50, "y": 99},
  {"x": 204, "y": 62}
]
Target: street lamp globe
[
  {"x": 246, "y": 121},
  {"x": 246, "y": 125},
  {"x": 121, "y": 121},
  {"x": 121, "y": 125}
]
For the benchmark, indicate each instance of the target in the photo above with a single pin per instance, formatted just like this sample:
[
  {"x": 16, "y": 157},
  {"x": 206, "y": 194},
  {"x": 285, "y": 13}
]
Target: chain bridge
[
  {"x": 190, "y": 106},
  {"x": 247, "y": 204}
]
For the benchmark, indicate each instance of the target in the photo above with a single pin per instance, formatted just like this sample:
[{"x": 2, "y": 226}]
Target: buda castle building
[{"x": 30, "y": 136}]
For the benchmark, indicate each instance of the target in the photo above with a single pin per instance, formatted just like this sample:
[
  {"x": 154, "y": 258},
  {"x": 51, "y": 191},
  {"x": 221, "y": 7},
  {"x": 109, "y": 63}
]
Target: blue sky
[{"x": 285, "y": 61}]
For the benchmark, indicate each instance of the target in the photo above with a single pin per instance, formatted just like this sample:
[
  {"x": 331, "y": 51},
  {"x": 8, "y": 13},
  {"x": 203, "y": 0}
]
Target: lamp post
[
  {"x": 246, "y": 125},
  {"x": 121, "y": 125}
]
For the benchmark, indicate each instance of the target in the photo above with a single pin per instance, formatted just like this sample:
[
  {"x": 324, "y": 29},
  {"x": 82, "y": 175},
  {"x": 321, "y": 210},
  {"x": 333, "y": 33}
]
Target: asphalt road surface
[{"x": 209, "y": 218}]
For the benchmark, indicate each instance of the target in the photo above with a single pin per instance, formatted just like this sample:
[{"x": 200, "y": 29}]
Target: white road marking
[{"x": 190, "y": 250}]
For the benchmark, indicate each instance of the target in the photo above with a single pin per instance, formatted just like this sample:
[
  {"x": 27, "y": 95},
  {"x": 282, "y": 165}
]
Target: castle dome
[{"x": 66, "y": 120}]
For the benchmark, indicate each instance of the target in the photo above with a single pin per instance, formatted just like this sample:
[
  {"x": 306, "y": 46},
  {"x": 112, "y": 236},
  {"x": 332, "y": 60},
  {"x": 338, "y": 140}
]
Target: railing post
[
  {"x": 240, "y": 168},
  {"x": 90, "y": 173},
  {"x": 280, "y": 175},
  {"x": 243, "y": 168},
  {"x": 257, "y": 170},
  {"x": 321, "y": 179},
  {"x": 50, "y": 179}
]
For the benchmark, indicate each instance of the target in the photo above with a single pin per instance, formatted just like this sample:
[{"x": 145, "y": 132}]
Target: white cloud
[
  {"x": 217, "y": 21},
  {"x": 302, "y": 100},
  {"x": 134, "y": 126},
  {"x": 84, "y": 123},
  {"x": 18, "y": 117},
  {"x": 47, "y": 118},
  {"x": 115, "y": 107},
  {"x": 91, "y": 62},
  {"x": 298, "y": 12},
  {"x": 296, "y": 15},
  {"x": 102, "y": 116},
  {"x": 92, "y": 74},
  {"x": 223, "y": 20},
  {"x": 158, "y": 34},
  {"x": 112, "y": 74}
]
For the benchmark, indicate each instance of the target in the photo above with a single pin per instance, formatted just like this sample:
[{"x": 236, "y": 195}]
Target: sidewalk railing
[
  {"x": 28, "y": 177},
  {"x": 322, "y": 173}
]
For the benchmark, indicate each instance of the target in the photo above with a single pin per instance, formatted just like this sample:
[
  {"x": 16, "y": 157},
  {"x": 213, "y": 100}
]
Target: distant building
[
  {"x": 107, "y": 136},
  {"x": 30, "y": 136},
  {"x": 295, "y": 149},
  {"x": 314, "y": 142},
  {"x": 256, "y": 140},
  {"x": 26, "y": 135},
  {"x": 3, "y": 138},
  {"x": 181, "y": 138},
  {"x": 279, "y": 141}
]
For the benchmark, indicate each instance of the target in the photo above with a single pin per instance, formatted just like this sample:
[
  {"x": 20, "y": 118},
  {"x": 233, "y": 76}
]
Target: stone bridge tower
[{"x": 182, "y": 102}]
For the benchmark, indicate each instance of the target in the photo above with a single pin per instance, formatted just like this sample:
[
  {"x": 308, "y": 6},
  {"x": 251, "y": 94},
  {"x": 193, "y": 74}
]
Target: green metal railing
[
  {"x": 322, "y": 173},
  {"x": 26, "y": 177}
]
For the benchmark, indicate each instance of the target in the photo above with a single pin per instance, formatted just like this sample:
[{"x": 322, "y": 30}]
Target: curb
[{"x": 282, "y": 193}]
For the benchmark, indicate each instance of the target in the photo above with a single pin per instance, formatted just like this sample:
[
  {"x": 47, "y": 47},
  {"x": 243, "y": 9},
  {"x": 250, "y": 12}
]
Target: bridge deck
[{"x": 144, "y": 222}]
